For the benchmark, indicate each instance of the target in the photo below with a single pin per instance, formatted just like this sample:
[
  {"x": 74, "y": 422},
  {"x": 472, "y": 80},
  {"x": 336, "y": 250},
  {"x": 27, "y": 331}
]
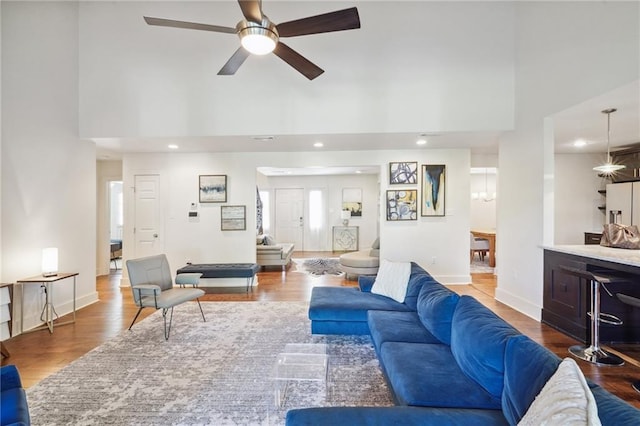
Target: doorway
[
  {"x": 289, "y": 216},
  {"x": 148, "y": 240},
  {"x": 116, "y": 223}
]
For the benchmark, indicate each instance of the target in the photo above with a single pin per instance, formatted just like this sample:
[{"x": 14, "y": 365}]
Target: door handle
[{"x": 301, "y": 221}]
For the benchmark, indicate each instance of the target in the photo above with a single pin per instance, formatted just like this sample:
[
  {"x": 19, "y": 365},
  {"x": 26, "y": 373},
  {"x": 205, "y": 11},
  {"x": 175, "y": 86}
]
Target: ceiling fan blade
[
  {"x": 234, "y": 62},
  {"x": 297, "y": 61},
  {"x": 188, "y": 25},
  {"x": 251, "y": 9},
  {"x": 347, "y": 19}
]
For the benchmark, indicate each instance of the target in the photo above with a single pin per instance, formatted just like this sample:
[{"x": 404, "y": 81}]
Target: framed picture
[
  {"x": 345, "y": 238},
  {"x": 352, "y": 201},
  {"x": 402, "y": 205},
  {"x": 213, "y": 188},
  {"x": 405, "y": 173},
  {"x": 233, "y": 218},
  {"x": 433, "y": 189}
]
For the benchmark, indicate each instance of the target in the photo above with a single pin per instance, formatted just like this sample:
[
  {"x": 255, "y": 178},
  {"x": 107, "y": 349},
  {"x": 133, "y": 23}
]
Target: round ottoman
[{"x": 360, "y": 263}]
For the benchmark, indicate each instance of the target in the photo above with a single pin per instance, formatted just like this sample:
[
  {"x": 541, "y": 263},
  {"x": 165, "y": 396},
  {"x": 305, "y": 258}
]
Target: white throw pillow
[
  {"x": 392, "y": 280},
  {"x": 564, "y": 400}
]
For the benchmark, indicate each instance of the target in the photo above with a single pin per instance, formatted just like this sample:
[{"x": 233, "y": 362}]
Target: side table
[{"x": 48, "y": 309}]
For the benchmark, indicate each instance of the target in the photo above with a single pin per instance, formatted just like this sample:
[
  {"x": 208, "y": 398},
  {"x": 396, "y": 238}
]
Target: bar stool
[
  {"x": 635, "y": 302},
  {"x": 594, "y": 353}
]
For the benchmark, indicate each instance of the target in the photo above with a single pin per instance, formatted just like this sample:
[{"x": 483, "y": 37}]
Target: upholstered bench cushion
[
  {"x": 222, "y": 270},
  {"x": 427, "y": 374}
]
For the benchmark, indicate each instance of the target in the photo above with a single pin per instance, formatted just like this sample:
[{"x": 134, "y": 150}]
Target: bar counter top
[{"x": 608, "y": 254}]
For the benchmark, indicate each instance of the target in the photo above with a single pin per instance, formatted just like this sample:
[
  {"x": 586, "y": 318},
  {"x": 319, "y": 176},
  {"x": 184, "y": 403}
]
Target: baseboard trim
[{"x": 519, "y": 304}]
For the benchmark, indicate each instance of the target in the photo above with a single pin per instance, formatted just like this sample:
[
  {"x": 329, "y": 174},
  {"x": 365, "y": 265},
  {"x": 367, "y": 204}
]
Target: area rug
[
  {"x": 322, "y": 266},
  {"x": 208, "y": 373},
  {"x": 481, "y": 266}
]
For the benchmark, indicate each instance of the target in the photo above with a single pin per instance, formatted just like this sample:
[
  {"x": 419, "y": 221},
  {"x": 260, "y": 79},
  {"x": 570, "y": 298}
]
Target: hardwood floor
[{"x": 40, "y": 354}]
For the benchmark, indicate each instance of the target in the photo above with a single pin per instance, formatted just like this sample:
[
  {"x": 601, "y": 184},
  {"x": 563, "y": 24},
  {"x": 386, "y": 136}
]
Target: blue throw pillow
[{"x": 435, "y": 310}]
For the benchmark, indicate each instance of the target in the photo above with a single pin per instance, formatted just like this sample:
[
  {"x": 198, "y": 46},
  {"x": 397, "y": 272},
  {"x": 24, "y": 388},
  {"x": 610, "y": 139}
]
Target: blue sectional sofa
[
  {"x": 448, "y": 359},
  {"x": 13, "y": 399}
]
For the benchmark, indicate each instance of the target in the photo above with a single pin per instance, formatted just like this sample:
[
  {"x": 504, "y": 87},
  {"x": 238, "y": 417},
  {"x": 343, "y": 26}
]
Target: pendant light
[{"x": 609, "y": 168}]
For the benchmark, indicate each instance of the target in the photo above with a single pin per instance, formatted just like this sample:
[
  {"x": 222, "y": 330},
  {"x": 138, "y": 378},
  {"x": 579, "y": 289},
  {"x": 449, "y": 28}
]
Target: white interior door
[
  {"x": 289, "y": 217},
  {"x": 148, "y": 220}
]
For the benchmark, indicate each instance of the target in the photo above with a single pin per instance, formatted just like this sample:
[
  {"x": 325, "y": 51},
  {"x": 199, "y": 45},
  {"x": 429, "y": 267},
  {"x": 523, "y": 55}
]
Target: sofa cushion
[
  {"x": 478, "y": 340},
  {"x": 376, "y": 244},
  {"x": 435, "y": 310},
  {"x": 268, "y": 240},
  {"x": 399, "y": 415},
  {"x": 417, "y": 279},
  {"x": 393, "y": 326},
  {"x": 392, "y": 280},
  {"x": 426, "y": 374},
  {"x": 526, "y": 362},
  {"x": 350, "y": 304},
  {"x": 564, "y": 399},
  {"x": 613, "y": 411}
]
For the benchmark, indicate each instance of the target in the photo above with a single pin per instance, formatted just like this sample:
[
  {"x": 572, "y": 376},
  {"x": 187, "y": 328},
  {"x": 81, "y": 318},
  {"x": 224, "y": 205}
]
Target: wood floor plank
[{"x": 40, "y": 354}]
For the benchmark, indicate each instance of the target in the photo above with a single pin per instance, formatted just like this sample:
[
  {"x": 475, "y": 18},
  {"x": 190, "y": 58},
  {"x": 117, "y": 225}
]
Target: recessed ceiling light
[
  {"x": 422, "y": 140},
  {"x": 318, "y": 144},
  {"x": 263, "y": 138},
  {"x": 358, "y": 171},
  {"x": 579, "y": 143},
  {"x": 172, "y": 146}
]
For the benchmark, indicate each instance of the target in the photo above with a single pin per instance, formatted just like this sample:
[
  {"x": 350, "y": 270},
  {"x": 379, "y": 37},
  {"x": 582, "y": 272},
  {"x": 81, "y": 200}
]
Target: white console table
[{"x": 345, "y": 238}]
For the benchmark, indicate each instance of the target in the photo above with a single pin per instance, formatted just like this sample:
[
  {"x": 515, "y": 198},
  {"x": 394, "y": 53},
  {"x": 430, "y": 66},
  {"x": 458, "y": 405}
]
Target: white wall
[
  {"x": 483, "y": 211},
  {"x": 564, "y": 56},
  {"x": 576, "y": 197},
  {"x": 106, "y": 171},
  {"x": 174, "y": 91},
  {"x": 440, "y": 244},
  {"x": 333, "y": 186},
  {"x": 48, "y": 174}
]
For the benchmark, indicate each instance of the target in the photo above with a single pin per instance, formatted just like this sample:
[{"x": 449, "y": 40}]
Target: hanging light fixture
[{"x": 609, "y": 168}]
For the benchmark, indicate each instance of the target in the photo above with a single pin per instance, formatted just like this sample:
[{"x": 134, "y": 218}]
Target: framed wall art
[
  {"x": 213, "y": 188},
  {"x": 433, "y": 189},
  {"x": 233, "y": 218},
  {"x": 352, "y": 201},
  {"x": 402, "y": 205},
  {"x": 404, "y": 173}
]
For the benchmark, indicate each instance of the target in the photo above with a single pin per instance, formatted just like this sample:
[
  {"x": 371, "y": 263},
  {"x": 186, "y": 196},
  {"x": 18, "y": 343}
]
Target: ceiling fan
[{"x": 259, "y": 36}]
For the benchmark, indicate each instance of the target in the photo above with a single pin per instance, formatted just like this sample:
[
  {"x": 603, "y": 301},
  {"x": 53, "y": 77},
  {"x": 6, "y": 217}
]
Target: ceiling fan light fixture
[{"x": 259, "y": 39}]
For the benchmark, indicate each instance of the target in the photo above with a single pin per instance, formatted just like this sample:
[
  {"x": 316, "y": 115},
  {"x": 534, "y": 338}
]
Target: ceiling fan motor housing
[{"x": 265, "y": 28}]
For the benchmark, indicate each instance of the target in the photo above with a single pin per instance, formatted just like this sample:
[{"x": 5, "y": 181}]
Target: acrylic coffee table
[{"x": 300, "y": 362}]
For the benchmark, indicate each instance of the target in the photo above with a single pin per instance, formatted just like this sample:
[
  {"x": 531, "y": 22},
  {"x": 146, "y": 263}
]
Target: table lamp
[
  {"x": 49, "y": 262},
  {"x": 345, "y": 215}
]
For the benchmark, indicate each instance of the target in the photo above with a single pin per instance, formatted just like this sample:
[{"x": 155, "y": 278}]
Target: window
[{"x": 315, "y": 209}]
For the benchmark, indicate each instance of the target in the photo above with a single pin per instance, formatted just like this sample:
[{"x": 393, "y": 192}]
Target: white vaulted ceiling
[{"x": 445, "y": 69}]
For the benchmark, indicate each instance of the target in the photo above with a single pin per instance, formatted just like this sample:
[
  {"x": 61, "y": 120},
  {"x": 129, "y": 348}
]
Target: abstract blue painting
[{"x": 433, "y": 189}]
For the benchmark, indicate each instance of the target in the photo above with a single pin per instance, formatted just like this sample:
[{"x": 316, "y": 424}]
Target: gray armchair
[{"x": 152, "y": 287}]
